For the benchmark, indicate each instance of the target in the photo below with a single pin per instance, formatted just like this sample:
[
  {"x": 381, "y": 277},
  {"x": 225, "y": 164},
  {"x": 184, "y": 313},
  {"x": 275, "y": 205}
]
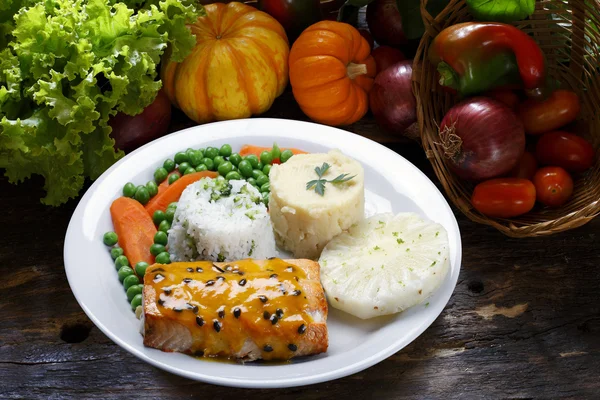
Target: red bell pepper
[{"x": 474, "y": 57}]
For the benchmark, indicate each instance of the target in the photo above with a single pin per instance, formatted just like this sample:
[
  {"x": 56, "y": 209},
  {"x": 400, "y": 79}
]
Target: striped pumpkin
[{"x": 237, "y": 68}]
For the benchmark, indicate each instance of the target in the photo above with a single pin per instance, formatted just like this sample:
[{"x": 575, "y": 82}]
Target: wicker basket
[{"x": 565, "y": 32}]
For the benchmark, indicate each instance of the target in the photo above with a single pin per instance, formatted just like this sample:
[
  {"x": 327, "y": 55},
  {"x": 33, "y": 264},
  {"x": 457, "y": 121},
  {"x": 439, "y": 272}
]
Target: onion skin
[
  {"x": 392, "y": 100},
  {"x": 482, "y": 139}
]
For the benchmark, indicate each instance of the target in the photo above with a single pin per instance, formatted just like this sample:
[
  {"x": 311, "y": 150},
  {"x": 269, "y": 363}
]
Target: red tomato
[
  {"x": 526, "y": 167},
  {"x": 504, "y": 197},
  {"x": 553, "y": 186},
  {"x": 562, "y": 149},
  {"x": 561, "y": 108},
  {"x": 504, "y": 96}
]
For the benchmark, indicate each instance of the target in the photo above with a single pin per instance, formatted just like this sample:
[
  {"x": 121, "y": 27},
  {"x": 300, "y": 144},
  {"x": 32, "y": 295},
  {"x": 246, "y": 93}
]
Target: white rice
[{"x": 211, "y": 224}]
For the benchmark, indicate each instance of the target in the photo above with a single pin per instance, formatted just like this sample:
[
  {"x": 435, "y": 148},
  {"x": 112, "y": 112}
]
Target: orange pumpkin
[
  {"x": 331, "y": 72},
  {"x": 237, "y": 69}
]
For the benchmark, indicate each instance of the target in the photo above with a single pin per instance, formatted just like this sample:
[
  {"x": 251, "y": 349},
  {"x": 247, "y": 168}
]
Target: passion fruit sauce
[{"x": 223, "y": 305}]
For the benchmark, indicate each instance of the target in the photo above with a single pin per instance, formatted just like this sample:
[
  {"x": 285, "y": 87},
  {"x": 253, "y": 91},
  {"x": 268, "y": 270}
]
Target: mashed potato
[{"x": 303, "y": 220}]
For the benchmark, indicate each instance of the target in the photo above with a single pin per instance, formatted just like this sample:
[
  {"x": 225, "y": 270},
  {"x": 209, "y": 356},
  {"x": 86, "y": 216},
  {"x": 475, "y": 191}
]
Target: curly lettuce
[{"x": 69, "y": 66}]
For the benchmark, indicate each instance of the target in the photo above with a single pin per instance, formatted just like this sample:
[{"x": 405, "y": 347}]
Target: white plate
[{"x": 391, "y": 183}]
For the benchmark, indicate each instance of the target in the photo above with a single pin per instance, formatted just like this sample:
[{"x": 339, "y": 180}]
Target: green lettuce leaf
[
  {"x": 501, "y": 10},
  {"x": 69, "y": 66}
]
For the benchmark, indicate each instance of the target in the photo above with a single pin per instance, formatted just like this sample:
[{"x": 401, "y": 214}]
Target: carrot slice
[
  {"x": 248, "y": 149},
  {"x": 165, "y": 184},
  {"x": 135, "y": 229},
  {"x": 173, "y": 191}
]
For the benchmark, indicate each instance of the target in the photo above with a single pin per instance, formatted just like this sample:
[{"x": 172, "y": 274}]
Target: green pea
[
  {"x": 142, "y": 195},
  {"x": 190, "y": 170},
  {"x": 170, "y": 214},
  {"x": 233, "y": 176},
  {"x": 129, "y": 190},
  {"x": 130, "y": 280},
  {"x": 158, "y": 217},
  {"x": 285, "y": 155},
  {"x": 181, "y": 157},
  {"x": 266, "y": 187},
  {"x": 275, "y": 151},
  {"x": 156, "y": 249},
  {"x": 183, "y": 166},
  {"x": 251, "y": 181},
  {"x": 163, "y": 258},
  {"x": 121, "y": 261},
  {"x": 211, "y": 152},
  {"x": 210, "y": 165},
  {"x": 134, "y": 290},
  {"x": 201, "y": 168},
  {"x": 110, "y": 238},
  {"x": 173, "y": 177},
  {"x": 253, "y": 160},
  {"x": 201, "y": 153},
  {"x": 260, "y": 166},
  {"x": 164, "y": 226},
  {"x": 266, "y": 157},
  {"x": 235, "y": 159},
  {"x": 195, "y": 157},
  {"x": 160, "y": 175},
  {"x": 161, "y": 238},
  {"x": 116, "y": 252},
  {"x": 152, "y": 188},
  {"x": 225, "y": 168},
  {"x": 261, "y": 180},
  {"x": 245, "y": 168},
  {"x": 169, "y": 165},
  {"x": 225, "y": 150},
  {"x": 172, "y": 205},
  {"x": 218, "y": 161},
  {"x": 124, "y": 272},
  {"x": 267, "y": 169},
  {"x": 265, "y": 198},
  {"x": 257, "y": 173},
  {"x": 140, "y": 268},
  {"x": 136, "y": 301}
]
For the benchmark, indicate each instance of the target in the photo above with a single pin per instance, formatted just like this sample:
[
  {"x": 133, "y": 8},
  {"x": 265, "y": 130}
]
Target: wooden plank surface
[{"x": 524, "y": 321}]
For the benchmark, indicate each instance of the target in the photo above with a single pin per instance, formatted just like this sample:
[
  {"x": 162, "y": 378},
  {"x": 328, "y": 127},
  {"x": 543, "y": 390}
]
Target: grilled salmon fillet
[{"x": 251, "y": 309}]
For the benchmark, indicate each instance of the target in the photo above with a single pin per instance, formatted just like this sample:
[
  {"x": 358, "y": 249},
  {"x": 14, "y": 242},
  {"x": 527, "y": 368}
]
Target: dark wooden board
[{"x": 524, "y": 321}]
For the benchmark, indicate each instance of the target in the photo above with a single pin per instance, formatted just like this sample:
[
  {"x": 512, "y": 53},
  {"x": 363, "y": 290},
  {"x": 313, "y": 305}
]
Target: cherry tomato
[
  {"x": 526, "y": 167},
  {"x": 553, "y": 186},
  {"x": 562, "y": 149},
  {"x": 561, "y": 108},
  {"x": 504, "y": 197},
  {"x": 504, "y": 96}
]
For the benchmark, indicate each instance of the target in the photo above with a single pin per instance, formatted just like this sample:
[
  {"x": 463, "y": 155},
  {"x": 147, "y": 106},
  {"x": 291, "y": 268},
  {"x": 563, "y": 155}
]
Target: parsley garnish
[{"x": 319, "y": 184}]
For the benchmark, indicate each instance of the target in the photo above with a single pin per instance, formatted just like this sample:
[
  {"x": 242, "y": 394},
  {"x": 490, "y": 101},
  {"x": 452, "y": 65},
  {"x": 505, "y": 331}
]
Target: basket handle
[{"x": 578, "y": 37}]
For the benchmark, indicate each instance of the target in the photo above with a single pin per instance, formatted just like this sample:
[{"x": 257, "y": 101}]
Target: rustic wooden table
[{"x": 524, "y": 320}]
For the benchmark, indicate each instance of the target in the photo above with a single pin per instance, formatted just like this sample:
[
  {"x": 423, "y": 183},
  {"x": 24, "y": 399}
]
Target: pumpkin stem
[{"x": 353, "y": 70}]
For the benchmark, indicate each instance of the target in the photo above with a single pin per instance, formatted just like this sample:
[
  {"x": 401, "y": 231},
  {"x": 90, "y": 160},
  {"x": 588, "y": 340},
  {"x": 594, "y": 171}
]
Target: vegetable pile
[
  {"x": 66, "y": 67},
  {"x": 484, "y": 137},
  {"x": 143, "y": 216}
]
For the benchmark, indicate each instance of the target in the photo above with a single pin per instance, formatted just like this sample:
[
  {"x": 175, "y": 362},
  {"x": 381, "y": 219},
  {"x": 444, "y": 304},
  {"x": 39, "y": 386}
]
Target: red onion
[
  {"x": 392, "y": 100},
  {"x": 482, "y": 138},
  {"x": 131, "y": 132}
]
